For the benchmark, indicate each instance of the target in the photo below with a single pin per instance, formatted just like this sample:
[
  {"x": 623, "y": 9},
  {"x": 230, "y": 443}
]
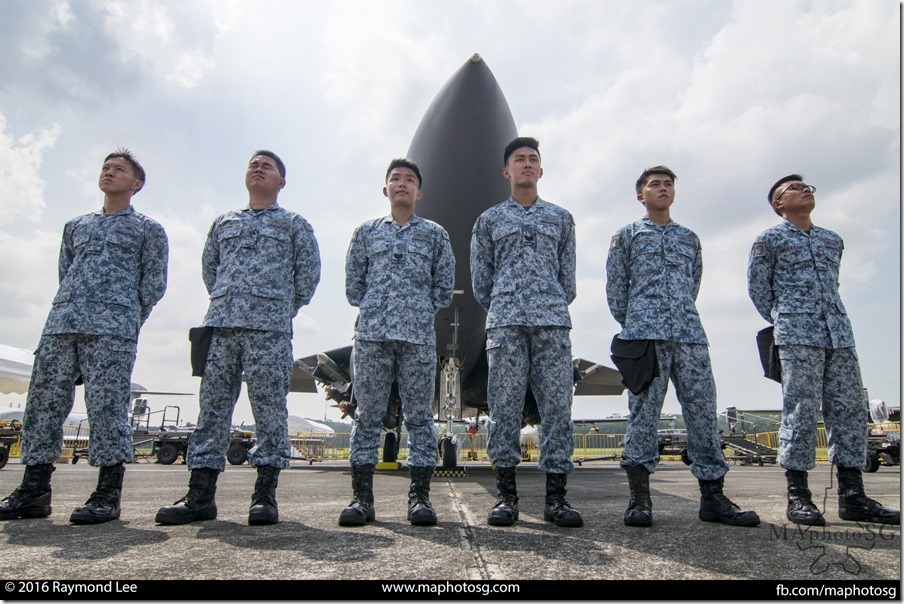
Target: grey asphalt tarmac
[{"x": 308, "y": 544}]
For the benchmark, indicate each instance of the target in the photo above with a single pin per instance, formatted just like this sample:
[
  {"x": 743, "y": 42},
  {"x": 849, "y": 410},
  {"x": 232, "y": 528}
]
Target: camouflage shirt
[
  {"x": 260, "y": 267},
  {"x": 399, "y": 277},
  {"x": 523, "y": 264},
  {"x": 792, "y": 279},
  {"x": 653, "y": 277},
  {"x": 112, "y": 273}
]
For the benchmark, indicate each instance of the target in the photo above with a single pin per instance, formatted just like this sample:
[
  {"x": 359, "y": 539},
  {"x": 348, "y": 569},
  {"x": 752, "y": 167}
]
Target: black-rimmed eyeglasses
[{"x": 797, "y": 186}]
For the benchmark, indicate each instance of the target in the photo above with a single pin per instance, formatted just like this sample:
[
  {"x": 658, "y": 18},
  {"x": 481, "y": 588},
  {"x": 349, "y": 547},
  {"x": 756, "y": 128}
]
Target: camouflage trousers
[
  {"x": 105, "y": 363},
  {"x": 266, "y": 359},
  {"x": 541, "y": 357},
  {"x": 376, "y": 365},
  {"x": 689, "y": 369},
  {"x": 814, "y": 377}
]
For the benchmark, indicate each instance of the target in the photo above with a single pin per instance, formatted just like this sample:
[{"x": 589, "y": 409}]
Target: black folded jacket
[
  {"x": 200, "y": 344},
  {"x": 636, "y": 361},
  {"x": 772, "y": 369}
]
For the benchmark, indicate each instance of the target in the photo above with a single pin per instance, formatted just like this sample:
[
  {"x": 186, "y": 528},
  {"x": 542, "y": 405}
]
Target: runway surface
[{"x": 308, "y": 544}]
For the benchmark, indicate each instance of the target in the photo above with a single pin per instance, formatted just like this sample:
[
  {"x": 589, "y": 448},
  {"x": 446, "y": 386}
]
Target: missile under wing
[{"x": 458, "y": 146}]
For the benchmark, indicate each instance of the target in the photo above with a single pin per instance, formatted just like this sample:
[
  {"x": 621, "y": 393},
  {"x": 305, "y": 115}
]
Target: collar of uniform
[
  {"x": 272, "y": 206},
  {"x": 651, "y": 223},
  {"x": 539, "y": 204},
  {"x": 794, "y": 228},
  {"x": 127, "y": 210},
  {"x": 388, "y": 219}
]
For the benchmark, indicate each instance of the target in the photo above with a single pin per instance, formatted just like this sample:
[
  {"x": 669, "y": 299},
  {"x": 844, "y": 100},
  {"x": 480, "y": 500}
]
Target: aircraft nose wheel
[{"x": 448, "y": 453}]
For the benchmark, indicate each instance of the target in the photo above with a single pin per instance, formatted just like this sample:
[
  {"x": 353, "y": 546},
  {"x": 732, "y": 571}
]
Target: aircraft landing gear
[
  {"x": 448, "y": 447},
  {"x": 390, "y": 451}
]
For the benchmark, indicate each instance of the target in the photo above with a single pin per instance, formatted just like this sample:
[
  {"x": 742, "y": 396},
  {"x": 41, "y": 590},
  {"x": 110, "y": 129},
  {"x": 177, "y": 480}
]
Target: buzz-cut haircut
[
  {"x": 137, "y": 169},
  {"x": 404, "y": 162},
  {"x": 645, "y": 177},
  {"x": 280, "y": 166},
  {"x": 521, "y": 141},
  {"x": 780, "y": 182}
]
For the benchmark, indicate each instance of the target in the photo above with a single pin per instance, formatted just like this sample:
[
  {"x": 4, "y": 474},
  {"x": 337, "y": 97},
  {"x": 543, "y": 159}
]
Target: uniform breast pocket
[
  {"x": 832, "y": 259},
  {"x": 420, "y": 258},
  {"x": 127, "y": 240},
  {"x": 275, "y": 240},
  {"x": 548, "y": 240},
  {"x": 681, "y": 260},
  {"x": 229, "y": 235},
  {"x": 795, "y": 268},
  {"x": 381, "y": 255},
  {"x": 646, "y": 257},
  {"x": 80, "y": 238},
  {"x": 507, "y": 236}
]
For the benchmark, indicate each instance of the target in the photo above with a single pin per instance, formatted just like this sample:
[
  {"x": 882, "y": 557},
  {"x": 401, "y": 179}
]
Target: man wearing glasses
[{"x": 792, "y": 279}]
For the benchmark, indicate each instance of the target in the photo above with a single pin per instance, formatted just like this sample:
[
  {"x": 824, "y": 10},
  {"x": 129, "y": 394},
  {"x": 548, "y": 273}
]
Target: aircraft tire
[
  {"x": 389, "y": 448},
  {"x": 4, "y": 456},
  {"x": 236, "y": 455},
  {"x": 167, "y": 454},
  {"x": 872, "y": 462},
  {"x": 450, "y": 460}
]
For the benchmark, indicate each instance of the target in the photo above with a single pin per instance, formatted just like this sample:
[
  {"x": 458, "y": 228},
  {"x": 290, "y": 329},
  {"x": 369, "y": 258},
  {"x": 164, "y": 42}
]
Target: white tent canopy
[
  {"x": 15, "y": 369},
  {"x": 303, "y": 425}
]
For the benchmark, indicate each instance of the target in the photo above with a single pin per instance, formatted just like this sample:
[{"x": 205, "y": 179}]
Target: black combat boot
[
  {"x": 640, "y": 507},
  {"x": 31, "y": 499},
  {"x": 557, "y": 509},
  {"x": 853, "y": 504},
  {"x": 263, "y": 502},
  {"x": 801, "y": 509},
  {"x": 361, "y": 510},
  {"x": 716, "y": 507},
  {"x": 198, "y": 504},
  {"x": 420, "y": 510},
  {"x": 505, "y": 510},
  {"x": 104, "y": 503}
]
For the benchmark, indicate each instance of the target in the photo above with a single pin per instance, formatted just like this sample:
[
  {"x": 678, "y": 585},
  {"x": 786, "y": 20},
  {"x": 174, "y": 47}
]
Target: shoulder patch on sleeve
[
  {"x": 614, "y": 243},
  {"x": 759, "y": 249}
]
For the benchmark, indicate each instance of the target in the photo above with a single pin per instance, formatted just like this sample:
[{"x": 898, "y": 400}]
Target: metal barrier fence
[{"x": 472, "y": 447}]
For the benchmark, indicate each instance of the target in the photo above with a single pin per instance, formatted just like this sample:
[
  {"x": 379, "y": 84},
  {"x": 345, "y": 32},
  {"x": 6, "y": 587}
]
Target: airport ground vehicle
[
  {"x": 882, "y": 448},
  {"x": 10, "y": 432},
  {"x": 168, "y": 445}
]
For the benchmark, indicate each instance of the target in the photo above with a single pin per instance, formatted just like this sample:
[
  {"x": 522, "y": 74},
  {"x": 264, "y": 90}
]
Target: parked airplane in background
[{"x": 458, "y": 146}]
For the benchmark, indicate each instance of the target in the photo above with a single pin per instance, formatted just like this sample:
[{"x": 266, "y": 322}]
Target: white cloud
[{"x": 21, "y": 187}]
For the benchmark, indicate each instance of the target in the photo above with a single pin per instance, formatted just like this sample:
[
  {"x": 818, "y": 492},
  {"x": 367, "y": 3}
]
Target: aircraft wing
[
  {"x": 596, "y": 379},
  {"x": 302, "y": 378},
  {"x": 331, "y": 368}
]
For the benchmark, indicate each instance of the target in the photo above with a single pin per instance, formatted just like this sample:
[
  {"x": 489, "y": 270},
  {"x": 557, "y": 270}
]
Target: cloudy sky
[{"x": 731, "y": 95}]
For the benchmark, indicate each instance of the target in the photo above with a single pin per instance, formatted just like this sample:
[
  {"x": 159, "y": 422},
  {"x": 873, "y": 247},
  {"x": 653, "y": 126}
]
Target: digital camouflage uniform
[
  {"x": 260, "y": 267},
  {"x": 792, "y": 279},
  {"x": 398, "y": 276},
  {"x": 112, "y": 272},
  {"x": 523, "y": 273},
  {"x": 653, "y": 277}
]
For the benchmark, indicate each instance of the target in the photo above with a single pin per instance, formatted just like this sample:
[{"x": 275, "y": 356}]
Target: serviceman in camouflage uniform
[
  {"x": 112, "y": 269},
  {"x": 260, "y": 264},
  {"x": 399, "y": 271},
  {"x": 523, "y": 273},
  {"x": 792, "y": 279},
  {"x": 653, "y": 273}
]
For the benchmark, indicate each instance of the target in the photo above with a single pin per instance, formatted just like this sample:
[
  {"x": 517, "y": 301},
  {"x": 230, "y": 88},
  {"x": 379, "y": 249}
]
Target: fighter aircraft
[{"x": 458, "y": 146}]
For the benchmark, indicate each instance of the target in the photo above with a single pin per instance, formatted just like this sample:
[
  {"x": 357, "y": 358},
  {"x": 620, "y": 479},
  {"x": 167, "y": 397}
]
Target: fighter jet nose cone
[{"x": 475, "y": 58}]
